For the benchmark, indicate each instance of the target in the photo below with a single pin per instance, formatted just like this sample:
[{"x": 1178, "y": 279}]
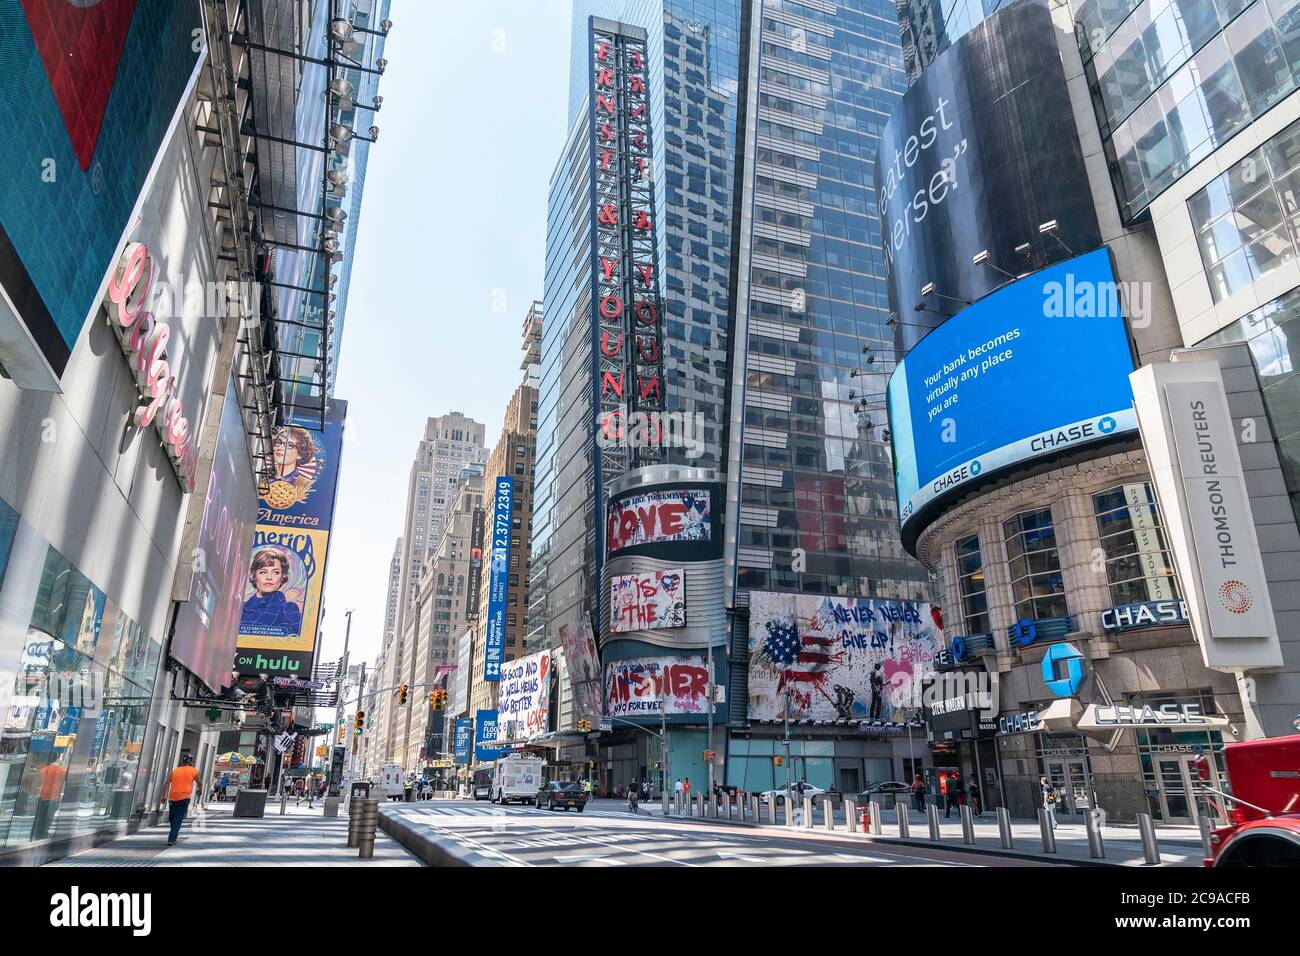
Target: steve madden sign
[{"x": 1223, "y": 535}]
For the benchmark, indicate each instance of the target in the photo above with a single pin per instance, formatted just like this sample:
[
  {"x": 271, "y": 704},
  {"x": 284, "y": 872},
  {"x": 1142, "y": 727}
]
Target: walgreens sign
[{"x": 144, "y": 342}]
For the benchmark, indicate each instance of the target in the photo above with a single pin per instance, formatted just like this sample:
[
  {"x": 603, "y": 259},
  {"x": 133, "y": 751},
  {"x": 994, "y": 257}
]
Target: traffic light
[
  {"x": 440, "y": 698},
  {"x": 401, "y": 694},
  {"x": 778, "y": 761},
  {"x": 433, "y": 698},
  {"x": 584, "y": 726},
  {"x": 359, "y": 724}
]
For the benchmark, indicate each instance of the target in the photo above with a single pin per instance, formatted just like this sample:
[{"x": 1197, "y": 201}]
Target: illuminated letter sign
[
  {"x": 144, "y": 342},
  {"x": 627, "y": 365}
]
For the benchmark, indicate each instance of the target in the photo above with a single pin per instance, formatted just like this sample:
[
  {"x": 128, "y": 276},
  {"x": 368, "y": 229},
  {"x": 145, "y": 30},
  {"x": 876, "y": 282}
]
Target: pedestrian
[
  {"x": 311, "y": 792},
  {"x": 1049, "y": 799},
  {"x": 648, "y": 790},
  {"x": 918, "y": 794},
  {"x": 952, "y": 794},
  {"x": 686, "y": 788},
  {"x": 974, "y": 792},
  {"x": 222, "y": 786},
  {"x": 678, "y": 790},
  {"x": 179, "y": 793}
]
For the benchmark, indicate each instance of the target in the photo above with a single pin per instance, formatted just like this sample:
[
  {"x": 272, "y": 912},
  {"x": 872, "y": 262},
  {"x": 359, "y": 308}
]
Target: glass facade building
[
  {"x": 810, "y": 481},
  {"x": 928, "y": 27},
  {"x": 1173, "y": 80},
  {"x": 693, "y": 77}
]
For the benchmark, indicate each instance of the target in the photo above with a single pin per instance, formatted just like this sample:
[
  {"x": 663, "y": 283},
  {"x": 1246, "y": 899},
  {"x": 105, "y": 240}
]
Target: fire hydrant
[{"x": 864, "y": 817}]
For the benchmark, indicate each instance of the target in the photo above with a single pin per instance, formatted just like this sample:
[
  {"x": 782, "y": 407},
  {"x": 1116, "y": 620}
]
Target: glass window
[
  {"x": 1139, "y": 566},
  {"x": 1036, "y": 583},
  {"x": 970, "y": 572}
]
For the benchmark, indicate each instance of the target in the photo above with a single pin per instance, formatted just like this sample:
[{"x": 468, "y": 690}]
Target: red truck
[{"x": 1264, "y": 805}]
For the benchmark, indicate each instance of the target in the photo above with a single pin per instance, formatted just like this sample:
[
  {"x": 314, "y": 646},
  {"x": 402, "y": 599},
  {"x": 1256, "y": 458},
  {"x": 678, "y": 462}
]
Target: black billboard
[
  {"x": 475, "y": 564},
  {"x": 978, "y": 154}
]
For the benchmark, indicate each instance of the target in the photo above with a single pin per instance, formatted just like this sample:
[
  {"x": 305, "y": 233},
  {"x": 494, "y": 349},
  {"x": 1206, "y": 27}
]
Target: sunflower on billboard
[{"x": 298, "y": 462}]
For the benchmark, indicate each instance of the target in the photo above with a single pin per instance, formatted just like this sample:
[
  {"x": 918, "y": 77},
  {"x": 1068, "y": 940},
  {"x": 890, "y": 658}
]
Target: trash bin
[{"x": 250, "y": 803}]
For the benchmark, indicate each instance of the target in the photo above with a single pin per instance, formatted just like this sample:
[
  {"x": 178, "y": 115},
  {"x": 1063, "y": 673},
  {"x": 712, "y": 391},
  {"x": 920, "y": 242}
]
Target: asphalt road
[{"x": 611, "y": 836}]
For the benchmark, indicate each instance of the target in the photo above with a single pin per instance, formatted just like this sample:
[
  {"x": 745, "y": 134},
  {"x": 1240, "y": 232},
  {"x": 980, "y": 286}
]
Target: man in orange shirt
[{"x": 179, "y": 794}]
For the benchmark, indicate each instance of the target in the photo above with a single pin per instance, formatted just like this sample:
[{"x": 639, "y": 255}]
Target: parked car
[
  {"x": 886, "y": 788},
  {"x": 562, "y": 794},
  {"x": 797, "y": 791}
]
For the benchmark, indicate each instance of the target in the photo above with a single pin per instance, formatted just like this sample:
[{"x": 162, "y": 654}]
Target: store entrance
[
  {"x": 1070, "y": 777},
  {"x": 1177, "y": 788}
]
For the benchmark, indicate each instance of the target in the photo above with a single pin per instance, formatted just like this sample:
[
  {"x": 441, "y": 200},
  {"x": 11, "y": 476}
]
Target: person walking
[
  {"x": 223, "y": 785},
  {"x": 973, "y": 791},
  {"x": 1049, "y": 799},
  {"x": 679, "y": 792},
  {"x": 918, "y": 794},
  {"x": 686, "y": 788},
  {"x": 952, "y": 793},
  {"x": 311, "y": 791},
  {"x": 179, "y": 793}
]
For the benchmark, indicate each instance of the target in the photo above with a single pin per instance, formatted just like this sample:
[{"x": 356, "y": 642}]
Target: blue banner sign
[
  {"x": 463, "y": 733},
  {"x": 503, "y": 497}
]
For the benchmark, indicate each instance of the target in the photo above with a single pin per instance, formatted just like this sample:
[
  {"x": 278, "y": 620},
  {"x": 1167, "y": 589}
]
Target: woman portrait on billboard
[
  {"x": 274, "y": 608},
  {"x": 298, "y": 462}
]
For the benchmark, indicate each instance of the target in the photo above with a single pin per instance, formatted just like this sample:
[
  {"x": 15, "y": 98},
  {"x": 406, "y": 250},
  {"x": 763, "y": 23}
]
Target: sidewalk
[
  {"x": 1179, "y": 846},
  {"x": 215, "y": 837}
]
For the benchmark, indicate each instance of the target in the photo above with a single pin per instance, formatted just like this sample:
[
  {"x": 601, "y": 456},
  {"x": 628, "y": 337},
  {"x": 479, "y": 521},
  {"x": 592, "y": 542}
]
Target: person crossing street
[{"x": 179, "y": 793}]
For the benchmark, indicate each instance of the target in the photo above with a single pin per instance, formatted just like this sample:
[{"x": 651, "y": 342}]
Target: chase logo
[
  {"x": 1063, "y": 670},
  {"x": 1107, "y": 425},
  {"x": 976, "y": 467}
]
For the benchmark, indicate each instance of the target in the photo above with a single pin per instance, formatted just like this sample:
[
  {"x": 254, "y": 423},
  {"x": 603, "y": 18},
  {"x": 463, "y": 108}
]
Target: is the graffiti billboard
[
  {"x": 654, "y": 517},
  {"x": 647, "y": 601},
  {"x": 286, "y": 574},
  {"x": 838, "y": 657}
]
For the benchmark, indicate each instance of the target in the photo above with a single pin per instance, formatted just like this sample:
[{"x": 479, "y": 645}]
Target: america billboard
[
  {"x": 838, "y": 658},
  {"x": 286, "y": 575},
  {"x": 91, "y": 90}
]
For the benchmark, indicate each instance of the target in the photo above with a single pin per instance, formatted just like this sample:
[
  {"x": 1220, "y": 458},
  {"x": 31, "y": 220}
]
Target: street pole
[
  {"x": 711, "y": 695},
  {"x": 665, "y": 763},
  {"x": 787, "y": 747},
  {"x": 361, "y": 696},
  {"x": 338, "y": 707}
]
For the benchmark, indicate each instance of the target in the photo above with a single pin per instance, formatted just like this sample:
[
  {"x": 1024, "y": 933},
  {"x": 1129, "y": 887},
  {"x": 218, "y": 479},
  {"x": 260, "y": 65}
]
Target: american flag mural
[{"x": 836, "y": 657}]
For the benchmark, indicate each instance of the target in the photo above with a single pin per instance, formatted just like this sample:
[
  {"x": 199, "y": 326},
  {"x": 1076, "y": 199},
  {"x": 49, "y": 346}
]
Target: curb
[{"x": 428, "y": 849}]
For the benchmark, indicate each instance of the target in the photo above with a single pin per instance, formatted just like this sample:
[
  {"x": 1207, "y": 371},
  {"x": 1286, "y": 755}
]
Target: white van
[{"x": 517, "y": 777}]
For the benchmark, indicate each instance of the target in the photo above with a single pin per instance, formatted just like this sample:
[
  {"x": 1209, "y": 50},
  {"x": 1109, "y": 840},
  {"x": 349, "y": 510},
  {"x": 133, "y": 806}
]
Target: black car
[{"x": 562, "y": 794}]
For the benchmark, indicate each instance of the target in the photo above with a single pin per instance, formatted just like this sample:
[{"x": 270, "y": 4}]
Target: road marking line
[{"x": 586, "y": 859}]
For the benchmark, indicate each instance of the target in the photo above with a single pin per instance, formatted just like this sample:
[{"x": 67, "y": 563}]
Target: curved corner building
[{"x": 1088, "y": 222}]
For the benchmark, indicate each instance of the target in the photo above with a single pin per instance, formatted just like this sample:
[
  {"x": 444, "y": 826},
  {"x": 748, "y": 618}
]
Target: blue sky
[{"x": 454, "y": 218}]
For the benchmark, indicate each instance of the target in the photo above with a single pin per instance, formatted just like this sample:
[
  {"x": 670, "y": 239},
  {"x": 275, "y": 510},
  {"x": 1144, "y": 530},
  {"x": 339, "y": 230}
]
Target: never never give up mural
[{"x": 839, "y": 657}]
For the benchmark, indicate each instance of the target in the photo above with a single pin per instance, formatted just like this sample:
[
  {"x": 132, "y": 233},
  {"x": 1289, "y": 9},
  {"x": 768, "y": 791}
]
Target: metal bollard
[
  {"x": 1096, "y": 849},
  {"x": 808, "y": 813},
  {"x": 850, "y": 813},
  {"x": 828, "y": 815},
  {"x": 1045, "y": 830},
  {"x": 354, "y": 822},
  {"x": 753, "y": 809},
  {"x": 369, "y": 822},
  {"x": 1150, "y": 849},
  {"x": 876, "y": 814},
  {"x": 666, "y": 803},
  {"x": 967, "y": 825},
  {"x": 1004, "y": 829},
  {"x": 284, "y": 800},
  {"x": 904, "y": 824},
  {"x": 727, "y": 804},
  {"x": 701, "y": 806},
  {"x": 771, "y": 811},
  {"x": 932, "y": 814}
]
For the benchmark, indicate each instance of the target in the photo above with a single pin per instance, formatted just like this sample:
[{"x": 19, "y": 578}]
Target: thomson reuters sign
[{"x": 1192, "y": 450}]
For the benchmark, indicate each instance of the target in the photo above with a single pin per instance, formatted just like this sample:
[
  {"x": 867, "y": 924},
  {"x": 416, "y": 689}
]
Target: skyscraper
[{"x": 764, "y": 115}]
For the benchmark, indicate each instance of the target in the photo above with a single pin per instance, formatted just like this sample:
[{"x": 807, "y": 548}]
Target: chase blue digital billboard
[{"x": 1030, "y": 371}]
